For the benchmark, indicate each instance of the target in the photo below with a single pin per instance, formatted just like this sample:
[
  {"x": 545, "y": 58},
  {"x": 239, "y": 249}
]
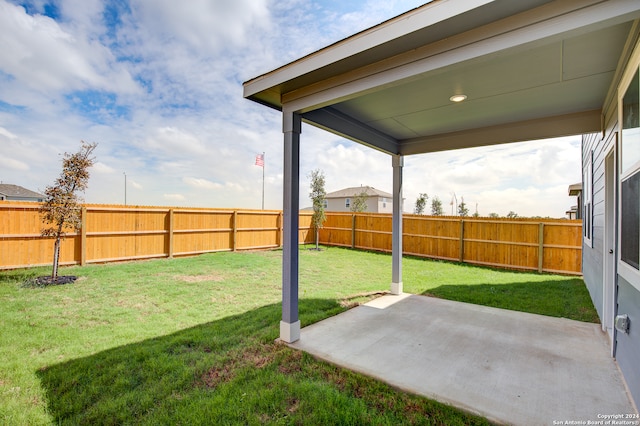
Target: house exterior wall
[
  {"x": 374, "y": 205},
  {"x": 592, "y": 246},
  {"x": 595, "y": 148},
  {"x": 628, "y": 345},
  {"x": 31, "y": 199}
]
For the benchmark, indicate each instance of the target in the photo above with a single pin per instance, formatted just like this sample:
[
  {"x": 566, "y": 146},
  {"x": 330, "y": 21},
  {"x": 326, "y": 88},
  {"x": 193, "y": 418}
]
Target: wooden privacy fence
[
  {"x": 116, "y": 233},
  {"x": 543, "y": 245}
]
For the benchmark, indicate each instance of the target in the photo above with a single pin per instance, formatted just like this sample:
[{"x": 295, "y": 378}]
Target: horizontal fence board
[{"x": 116, "y": 233}]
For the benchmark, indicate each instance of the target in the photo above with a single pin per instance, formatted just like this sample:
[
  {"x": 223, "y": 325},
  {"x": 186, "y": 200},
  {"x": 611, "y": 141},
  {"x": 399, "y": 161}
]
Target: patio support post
[
  {"x": 290, "y": 324},
  {"x": 397, "y": 162}
]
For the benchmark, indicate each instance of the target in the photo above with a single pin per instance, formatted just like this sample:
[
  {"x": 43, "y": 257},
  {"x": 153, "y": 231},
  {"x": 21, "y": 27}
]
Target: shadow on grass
[
  {"x": 229, "y": 371},
  {"x": 564, "y": 297}
]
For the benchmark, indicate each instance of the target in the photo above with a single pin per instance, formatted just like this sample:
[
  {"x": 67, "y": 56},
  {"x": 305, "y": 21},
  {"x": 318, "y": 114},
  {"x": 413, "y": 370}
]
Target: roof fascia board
[
  {"x": 423, "y": 16},
  {"x": 550, "y": 21},
  {"x": 543, "y": 128},
  {"x": 627, "y": 51},
  {"x": 336, "y": 122}
]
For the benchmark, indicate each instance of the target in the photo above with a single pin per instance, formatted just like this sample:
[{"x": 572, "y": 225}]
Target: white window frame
[
  {"x": 587, "y": 202},
  {"x": 626, "y": 271},
  {"x": 325, "y": 203},
  {"x": 347, "y": 202}
]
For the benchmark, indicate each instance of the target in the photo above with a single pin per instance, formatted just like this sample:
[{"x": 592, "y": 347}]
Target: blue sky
[{"x": 158, "y": 85}]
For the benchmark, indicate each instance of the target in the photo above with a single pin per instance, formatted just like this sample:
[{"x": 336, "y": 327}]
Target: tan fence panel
[
  {"x": 306, "y": 233},
  {"x": 502, "y": 244},
  {"x": 545, "y": 245},
  {"x": 438, "y": 238},
  {"x": 125, "y": 233},
  {"x": 113, "y": 233},
  {"x": 373, "y": 231},
  {"x": 201, "y": 231},
  {"x": 257, "y": 229},
  {"x": 562, "y": 247},
  {"x": 338, "y": 230},
  {"x": 20, "y": 241}
]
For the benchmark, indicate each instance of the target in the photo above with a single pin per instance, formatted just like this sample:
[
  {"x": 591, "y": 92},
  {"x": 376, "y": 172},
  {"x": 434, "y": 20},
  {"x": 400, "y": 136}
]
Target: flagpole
[{"x": 263, "y": 180}]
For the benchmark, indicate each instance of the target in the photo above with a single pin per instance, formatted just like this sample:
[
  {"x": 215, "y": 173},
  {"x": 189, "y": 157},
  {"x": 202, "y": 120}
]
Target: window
[
  {"x": 325, "y": 204},
  {"x": 587, "y": 218},
  {"x": 347, "y": 203},
  {"x": 629, "y": 241},
  {"x": 630, "y": 175}
]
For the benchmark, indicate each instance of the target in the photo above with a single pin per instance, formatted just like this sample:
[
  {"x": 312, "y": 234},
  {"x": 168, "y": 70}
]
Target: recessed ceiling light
[{"x": 458, "y": 98}]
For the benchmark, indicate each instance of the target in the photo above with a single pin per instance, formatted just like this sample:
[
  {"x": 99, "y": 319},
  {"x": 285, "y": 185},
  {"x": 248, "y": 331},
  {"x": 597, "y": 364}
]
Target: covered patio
[
  {"x": 510, "y": 367},
  {"x": 450, "y": 75}
]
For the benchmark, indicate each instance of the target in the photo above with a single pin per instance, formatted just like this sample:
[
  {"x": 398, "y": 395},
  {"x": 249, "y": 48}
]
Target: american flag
[{"x": 260, "y": 160}]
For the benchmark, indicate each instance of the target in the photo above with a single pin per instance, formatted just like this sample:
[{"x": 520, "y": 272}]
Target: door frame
[{"x": 609, "y": 252}]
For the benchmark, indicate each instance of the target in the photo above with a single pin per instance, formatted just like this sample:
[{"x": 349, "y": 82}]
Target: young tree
[
  {"x": 421, "y": 203},
  {"x": 462, "y": 208},
  {"x": 359, "y": 203},
  {"x": 317, "y": 195},
  {"x": 436, "y": 207},
  {"x": 61, "y": 209}
]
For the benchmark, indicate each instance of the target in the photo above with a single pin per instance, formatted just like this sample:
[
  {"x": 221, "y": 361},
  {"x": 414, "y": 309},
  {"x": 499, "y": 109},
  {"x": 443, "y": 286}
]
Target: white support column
[
  {"x": 396, "y": 240},
  {"x": 290, "y": 324}
]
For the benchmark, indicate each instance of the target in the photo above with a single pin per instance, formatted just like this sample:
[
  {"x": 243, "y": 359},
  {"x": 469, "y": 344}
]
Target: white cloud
[
  {"x": 99, "y": 167},
  {"x": 10, "y": 163},
  {"x": 175, "y": 142},
  {"x": 201, "y": 23},
  {"x": 40, "y": 54},
  {"x": 201, "y": 183},
  {"x": 174, "y": 197}
]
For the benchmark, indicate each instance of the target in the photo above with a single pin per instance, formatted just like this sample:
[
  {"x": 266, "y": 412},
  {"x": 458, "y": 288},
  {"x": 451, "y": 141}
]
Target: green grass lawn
[{"x": 191, "y": 340}]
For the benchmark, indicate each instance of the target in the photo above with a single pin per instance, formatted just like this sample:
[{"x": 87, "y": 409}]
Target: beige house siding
[{"x": 377, "y": 201}]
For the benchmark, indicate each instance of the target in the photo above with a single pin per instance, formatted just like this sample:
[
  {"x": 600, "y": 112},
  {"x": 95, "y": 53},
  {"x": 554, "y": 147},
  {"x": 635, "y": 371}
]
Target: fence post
[
  {"x": 280, "y": 229},
  {"x": 235, "y": 230},
  {"x": 540, "y": 246},
  {"x": 83, "y": 236},
  {"x": 461, "y": 240},
  {"x": 353, "y": 231},
  {"x": 171, "y": 234}
]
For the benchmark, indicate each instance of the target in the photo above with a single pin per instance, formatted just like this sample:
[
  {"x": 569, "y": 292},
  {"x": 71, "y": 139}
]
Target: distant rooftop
[
  {"x": 575, "y": 189},
  {"x": 357, "y": 190},
  {"x": 9, "y": 190}
]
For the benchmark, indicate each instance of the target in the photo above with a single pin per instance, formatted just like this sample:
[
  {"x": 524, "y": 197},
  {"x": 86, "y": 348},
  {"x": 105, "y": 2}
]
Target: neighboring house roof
[
  {"x": 9, "y": 190},
  {"x": 357, "y": 190},
  {"x": 575, "y": 189}
]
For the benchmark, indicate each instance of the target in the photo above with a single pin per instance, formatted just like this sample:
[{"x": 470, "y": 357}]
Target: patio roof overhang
[{"x": 530, "y": 69}]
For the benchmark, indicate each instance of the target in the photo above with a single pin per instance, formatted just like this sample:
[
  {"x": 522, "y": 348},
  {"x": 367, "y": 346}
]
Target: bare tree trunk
[
  {"x": 317, "y": 237},
  {"x": 56, "y": 257}
]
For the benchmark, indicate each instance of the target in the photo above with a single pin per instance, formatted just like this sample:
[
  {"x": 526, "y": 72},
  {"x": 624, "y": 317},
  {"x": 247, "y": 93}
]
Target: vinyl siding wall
[
  {"x": 596, "y": 146},
  {"x": 592, "y": 252},
  {"x": 628, "y": 345}
]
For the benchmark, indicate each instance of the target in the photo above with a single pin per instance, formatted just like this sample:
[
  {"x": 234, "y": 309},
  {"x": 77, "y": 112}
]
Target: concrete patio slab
[{"x": 510, "y": 367}]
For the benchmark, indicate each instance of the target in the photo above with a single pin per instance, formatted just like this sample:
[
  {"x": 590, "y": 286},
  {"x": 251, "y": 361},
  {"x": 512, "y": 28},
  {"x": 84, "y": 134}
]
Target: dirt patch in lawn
[{"x": 199, "y": 278}]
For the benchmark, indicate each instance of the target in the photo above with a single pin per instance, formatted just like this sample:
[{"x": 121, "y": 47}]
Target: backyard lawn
[{"x": 191, "y": 340}]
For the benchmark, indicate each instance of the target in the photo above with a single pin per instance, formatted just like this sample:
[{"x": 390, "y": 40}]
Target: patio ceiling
[{"x": 530, "y": 69}]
